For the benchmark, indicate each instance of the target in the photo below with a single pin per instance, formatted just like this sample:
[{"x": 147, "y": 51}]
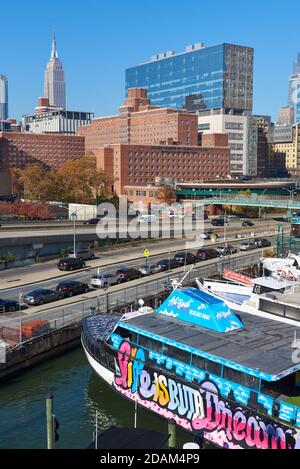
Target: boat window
[
  {"x": 126, "y": 334},
  {"x": 150, "y": 344},
  {"x": 236, "y": 376},
  {"x": 292, "y": 312},
  {"x": 271, "y": 307},
  {"x": 207, "y": 365},
  {"x": 199, "y": 362},
  {"x": 214, "y": 368},
  {"x": 177, "y": 353},
  {"x": 111, "y": 356}
]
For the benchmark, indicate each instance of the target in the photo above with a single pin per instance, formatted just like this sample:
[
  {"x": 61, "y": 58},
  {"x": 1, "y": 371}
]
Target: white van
[{"x": 147, "y": 218}]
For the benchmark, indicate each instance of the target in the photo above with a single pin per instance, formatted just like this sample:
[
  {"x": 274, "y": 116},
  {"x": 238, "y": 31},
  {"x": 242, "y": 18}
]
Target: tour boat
[{"x": 229, "y": 374}]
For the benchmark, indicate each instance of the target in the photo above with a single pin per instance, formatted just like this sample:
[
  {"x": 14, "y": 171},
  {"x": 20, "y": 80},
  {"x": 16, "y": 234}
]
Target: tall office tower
[
  {"x": 294, "y": 90},
  {"x": 54, "y": 85},
  {"x": 3, "y": 98},
  {"x": 201, "y": 78}
]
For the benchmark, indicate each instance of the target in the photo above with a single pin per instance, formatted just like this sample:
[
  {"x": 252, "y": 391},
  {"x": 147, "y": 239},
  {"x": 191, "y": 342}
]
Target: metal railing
[{"x": 112, "y": 301}]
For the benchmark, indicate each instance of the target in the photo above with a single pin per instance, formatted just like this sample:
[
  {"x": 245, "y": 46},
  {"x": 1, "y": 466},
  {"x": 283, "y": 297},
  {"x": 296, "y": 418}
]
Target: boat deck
[{"x": 263, "y": 345}]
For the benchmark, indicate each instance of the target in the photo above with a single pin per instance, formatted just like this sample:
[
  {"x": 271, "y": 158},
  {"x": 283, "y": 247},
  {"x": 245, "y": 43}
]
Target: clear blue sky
[{"x": 97, "y": 40}]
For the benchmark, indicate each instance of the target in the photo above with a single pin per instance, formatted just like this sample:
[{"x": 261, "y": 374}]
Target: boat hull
[{"x": 194, "y": 407}]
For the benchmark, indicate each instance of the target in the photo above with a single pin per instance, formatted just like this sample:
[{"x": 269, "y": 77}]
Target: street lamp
[{"x": 73, "y": 218}]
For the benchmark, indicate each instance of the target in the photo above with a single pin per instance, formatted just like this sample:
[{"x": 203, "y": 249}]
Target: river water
[{"x": 78, "y": 394}]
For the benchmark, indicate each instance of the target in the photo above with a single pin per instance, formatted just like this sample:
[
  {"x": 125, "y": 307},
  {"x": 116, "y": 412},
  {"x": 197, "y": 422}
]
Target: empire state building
[{"x": 54, "y": 84}]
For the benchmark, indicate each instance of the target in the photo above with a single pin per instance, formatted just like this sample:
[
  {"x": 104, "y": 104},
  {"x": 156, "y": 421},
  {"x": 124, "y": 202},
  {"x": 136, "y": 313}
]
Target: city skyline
[{"x": 95, "y": 62}]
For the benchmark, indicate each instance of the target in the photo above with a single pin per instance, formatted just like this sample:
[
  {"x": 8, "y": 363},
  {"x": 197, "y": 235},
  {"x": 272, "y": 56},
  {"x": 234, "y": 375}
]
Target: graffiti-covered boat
[{"x": 233, "y": 376}]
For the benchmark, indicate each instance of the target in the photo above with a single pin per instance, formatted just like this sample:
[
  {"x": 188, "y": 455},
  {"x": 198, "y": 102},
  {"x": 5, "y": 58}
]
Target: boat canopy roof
[
  {"x": 274, "y": 283},
  {"x": 197, "y": 307}
]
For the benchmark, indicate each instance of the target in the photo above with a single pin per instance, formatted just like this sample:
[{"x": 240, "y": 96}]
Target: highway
[{"x": 107, "y": 265}]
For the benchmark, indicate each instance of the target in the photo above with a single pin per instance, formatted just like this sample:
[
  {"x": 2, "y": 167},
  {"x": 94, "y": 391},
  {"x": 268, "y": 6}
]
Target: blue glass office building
[{"x": 218, "y": 77}]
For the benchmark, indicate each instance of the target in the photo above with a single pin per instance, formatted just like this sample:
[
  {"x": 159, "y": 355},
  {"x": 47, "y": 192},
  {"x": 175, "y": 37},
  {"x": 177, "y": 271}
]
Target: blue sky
[{"x": 97, "y": 40}]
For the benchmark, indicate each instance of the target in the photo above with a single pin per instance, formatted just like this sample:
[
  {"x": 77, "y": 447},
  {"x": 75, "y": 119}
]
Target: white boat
[{"x": 286, "y": 268}]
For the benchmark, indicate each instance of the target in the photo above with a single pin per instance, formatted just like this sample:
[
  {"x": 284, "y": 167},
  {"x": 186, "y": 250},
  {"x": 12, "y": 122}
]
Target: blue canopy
[{"x": 197, "y": 307}]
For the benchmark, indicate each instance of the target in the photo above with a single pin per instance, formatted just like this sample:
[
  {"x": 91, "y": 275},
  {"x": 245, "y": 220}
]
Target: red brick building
[
  {"x": 139, "y": 165},
  {"x": 142, "y": 124},
  {"x": 18, "y": 150}
]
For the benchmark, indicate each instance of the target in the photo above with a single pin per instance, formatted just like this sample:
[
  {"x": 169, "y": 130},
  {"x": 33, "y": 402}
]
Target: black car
[
  {"x": 205, "y": 254},
  {"x": 125, "y": 274},
  {"x": 42, "y": 296},
  {"x": 262, "y": 242},
  {"x": 71, "y": 263},
  {"x": 8, "y": 306},
  {"x": 218, "y": 222},
  {"x": 184, "y": 258},
  {"x": 166, "y": 264},
  {"x": 72, "y": 287},
  {"x": 247, "y": 223},
  {"x": 92, "y": 221}
]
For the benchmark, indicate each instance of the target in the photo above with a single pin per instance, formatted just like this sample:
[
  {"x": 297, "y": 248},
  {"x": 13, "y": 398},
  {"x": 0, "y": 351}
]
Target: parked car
[
  {"x": 247, "y": 223},
  {"x": 147, "y": 218},
  {"x": 232, "y": 218},
  {"x": 204, "y": 254},
  {"x": 104, "y": 280},
  {"x": 148, "y": 269},
  {"x": 262, "y": 242},
  {"x": 92, "y": 221},
  {"x": 41, "y": 296},
  {"x": 226, "y": 250},
  {"x": 166, "y": 264},
  {"x": 184, "y": 258},
  {"x": 70, "y": 263},
  {"x": 125, "y": 274},
  {"x": 207, "y": 234},
  {"x": 83, "y": 254},
  {"x": 247, "y": 246},
  {"x": 8, "y": 305},
  {"x": 72, "y": 287},
  {"x": 218, "y": 222}
]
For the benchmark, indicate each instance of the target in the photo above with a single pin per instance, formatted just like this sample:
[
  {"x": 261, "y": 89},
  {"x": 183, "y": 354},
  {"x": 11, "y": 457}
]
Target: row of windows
[{"x": 194, "y": 360}]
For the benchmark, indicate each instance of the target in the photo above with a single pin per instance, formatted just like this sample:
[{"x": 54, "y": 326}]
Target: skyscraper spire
[{"x": 54, "y": 54}]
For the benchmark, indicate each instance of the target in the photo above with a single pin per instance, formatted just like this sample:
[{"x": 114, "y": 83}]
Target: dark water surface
[{"x": 78, "y": 393}]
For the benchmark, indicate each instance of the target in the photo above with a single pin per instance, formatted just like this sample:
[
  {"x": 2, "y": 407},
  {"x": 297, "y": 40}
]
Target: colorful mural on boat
[{"x": 197, "y": 407}]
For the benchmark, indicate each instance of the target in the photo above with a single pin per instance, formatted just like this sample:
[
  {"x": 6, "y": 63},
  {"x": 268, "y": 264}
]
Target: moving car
[
  {"x": 83, "y": 254},
  {"x": 104, "y": 280},
  {"x": 184, "y": 258},
  {"x": 8, "y": 305},
  {"x": 247, "y": 223},
  {"x": 125, "y": 274},
  {"x": 41, "y": 296},
  {"x": 226, "y": 250},
  {"x": 72, "y": 287},
  {"x": 92, "y": 221},
  {"x": 70, "y": 263},
  {"x": 207, "y": 234},
  {"x": 204, "y": 254},
  {"x": 166, "y": 264},
  {"x": 262, "y": 242},
  {"x": 247, "y": 245},
  {"x": 218, "y": 222}
]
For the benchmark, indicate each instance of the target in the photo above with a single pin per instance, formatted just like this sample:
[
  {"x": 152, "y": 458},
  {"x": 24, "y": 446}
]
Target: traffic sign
[{"x": 146, "y": 252}]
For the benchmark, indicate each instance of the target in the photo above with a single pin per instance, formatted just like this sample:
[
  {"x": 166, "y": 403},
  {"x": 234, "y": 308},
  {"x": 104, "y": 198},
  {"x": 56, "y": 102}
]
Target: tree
[{"x": 167, "y": 195}]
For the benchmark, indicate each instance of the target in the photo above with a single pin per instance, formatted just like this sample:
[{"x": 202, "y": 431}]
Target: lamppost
[
  {"x": 259, "y": 209},
  {"x": 291, "y": 199},
  {"x": 73, "y": 217}
]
